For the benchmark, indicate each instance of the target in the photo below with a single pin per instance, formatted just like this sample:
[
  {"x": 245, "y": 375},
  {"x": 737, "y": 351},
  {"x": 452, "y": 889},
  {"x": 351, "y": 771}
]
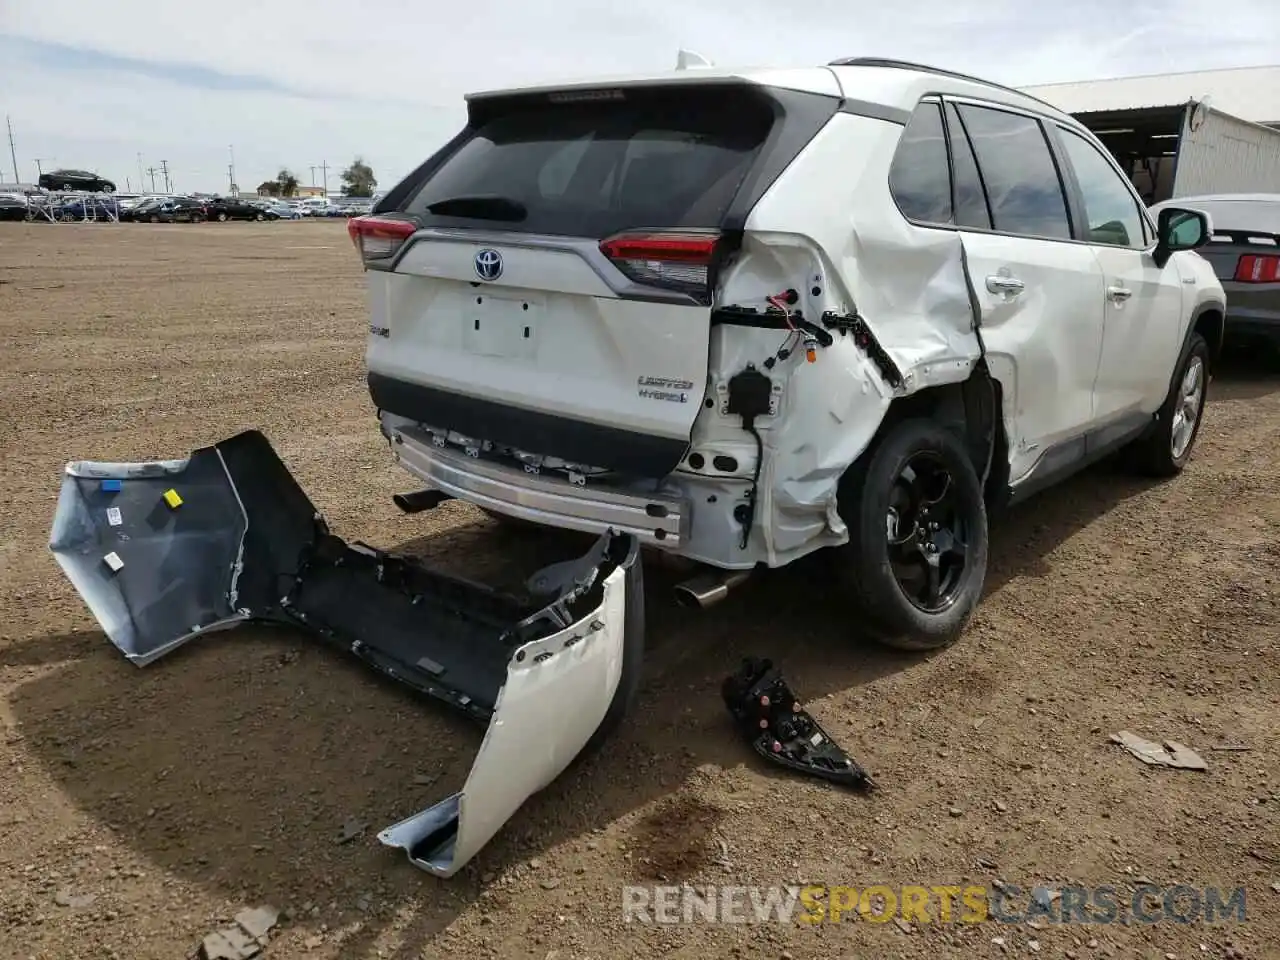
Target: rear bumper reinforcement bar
[{"x": 653, "y": 520}]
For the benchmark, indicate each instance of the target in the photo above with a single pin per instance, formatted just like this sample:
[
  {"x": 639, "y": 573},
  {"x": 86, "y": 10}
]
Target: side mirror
[{"x": 1180, "y": 229}]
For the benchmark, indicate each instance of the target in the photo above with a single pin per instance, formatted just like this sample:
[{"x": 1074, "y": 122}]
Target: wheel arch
[
  {"x": 1210, "y": 321},
  {"x": 973, "y": 409}
]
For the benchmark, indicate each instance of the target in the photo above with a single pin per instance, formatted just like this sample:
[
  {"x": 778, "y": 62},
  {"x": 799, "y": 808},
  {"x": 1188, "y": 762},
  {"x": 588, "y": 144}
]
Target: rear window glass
[{"x": 594, "y": 169}]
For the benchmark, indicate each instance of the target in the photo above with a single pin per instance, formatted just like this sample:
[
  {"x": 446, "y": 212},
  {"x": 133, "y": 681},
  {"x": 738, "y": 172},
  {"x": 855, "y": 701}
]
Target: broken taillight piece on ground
[{"x": 781, "y": 731}]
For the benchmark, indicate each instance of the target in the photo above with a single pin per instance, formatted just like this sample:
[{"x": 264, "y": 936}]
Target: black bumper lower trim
[{"x": 628, "y": 452}]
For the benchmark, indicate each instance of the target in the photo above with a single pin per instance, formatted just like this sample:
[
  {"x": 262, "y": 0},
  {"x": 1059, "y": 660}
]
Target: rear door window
[
  {"x": 1023, "y": 188},
  {"x": 968, "y": 196},
  {"x": 592, "y": 169}
]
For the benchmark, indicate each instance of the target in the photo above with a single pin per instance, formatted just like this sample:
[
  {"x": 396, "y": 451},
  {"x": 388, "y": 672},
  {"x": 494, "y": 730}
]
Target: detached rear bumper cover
[{"x": 163, "y": 552}]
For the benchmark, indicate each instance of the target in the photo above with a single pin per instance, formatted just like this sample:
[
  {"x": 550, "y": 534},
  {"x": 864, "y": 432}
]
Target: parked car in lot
[
  {"x": 140, "y": 210},
  {"x": 1245, "y": 254},
  {"x": 11, "y": 208},
  {"x": 726, "y": 382},
  {"x": 76, "y": 180},
  {"x": 230, "y": 208},
  {"x": 315, "y": 206},
  {"x": 284, "y": 211},
  {"x": 177, "y": 210}
]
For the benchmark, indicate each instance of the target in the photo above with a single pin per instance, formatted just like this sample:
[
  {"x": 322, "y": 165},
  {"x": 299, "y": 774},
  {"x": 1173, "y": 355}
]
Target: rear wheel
[
  {"x": 917, "y": 560},
  {"x": 1165, "y": 450},
  {"x": 259, "y": 216},
  {"x": 222, "y": 216}
]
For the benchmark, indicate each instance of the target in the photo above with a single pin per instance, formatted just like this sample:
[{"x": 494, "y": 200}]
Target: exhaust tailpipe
[
  {"x": 420, "y": 500},
  {"x": 709, "y": 588}
]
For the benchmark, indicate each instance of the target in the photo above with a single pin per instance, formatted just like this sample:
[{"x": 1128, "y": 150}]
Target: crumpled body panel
[{"x": 166, "y": 551}]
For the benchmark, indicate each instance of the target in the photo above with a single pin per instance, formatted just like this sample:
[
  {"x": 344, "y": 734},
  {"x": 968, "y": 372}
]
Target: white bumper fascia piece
[{"x": 558, "y": 692}]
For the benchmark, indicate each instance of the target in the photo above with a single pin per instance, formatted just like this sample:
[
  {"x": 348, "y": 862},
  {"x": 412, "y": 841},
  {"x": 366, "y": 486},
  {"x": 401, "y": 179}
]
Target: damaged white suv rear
[
  {"x": 746, "y": 316},
  {"x": 736, "y": 317}
]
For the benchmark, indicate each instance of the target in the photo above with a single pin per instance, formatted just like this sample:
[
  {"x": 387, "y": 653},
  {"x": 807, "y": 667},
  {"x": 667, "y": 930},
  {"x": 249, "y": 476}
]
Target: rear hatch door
[{"x": 555, "y": 297}]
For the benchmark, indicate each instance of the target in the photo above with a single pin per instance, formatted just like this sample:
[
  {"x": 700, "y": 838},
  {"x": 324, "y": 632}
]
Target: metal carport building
[{"x": 1184, "y": 134}]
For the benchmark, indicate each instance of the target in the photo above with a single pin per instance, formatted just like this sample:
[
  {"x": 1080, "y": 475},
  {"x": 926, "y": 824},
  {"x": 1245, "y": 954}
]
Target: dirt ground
[{"x": 141, "y": 809}]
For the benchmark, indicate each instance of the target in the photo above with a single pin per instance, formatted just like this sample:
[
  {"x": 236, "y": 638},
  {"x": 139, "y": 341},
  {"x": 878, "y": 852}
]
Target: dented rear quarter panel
[{"x": 829, "y": 229}]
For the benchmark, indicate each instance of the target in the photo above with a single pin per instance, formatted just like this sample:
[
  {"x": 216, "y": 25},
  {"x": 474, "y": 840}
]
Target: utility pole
[
  {"x": 313, "y": 176},
  {"x": 13, "y": 154},
  {"x": 140, "y": 176},
  {"x": 164, "y": 167},
  {"x": 40, "y": 168},
  {"x": 324, "y": 172},
  {"x": 152, "y": 172},
  {"x": 231, "y": 170}
]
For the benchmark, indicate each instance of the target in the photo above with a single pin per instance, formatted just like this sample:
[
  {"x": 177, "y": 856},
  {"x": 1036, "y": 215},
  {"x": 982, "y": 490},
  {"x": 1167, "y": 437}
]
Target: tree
[
  {"x": 270, "y": 187},
  {"x": 288, "y": 182},
  {"x": 359, "y": 179}
]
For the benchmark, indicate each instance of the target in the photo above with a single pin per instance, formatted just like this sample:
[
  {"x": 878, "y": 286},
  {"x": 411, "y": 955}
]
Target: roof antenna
[{"x": 688, "y": 60}]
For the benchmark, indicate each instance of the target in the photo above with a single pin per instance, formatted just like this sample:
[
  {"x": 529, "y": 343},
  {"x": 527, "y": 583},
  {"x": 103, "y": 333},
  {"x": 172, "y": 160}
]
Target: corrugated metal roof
[{"x": 1250, "y": 93}]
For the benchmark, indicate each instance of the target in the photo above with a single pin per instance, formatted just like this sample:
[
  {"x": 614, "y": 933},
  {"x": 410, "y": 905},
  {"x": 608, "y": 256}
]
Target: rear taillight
[
  {"x": 1253, "y": 268},
  {"x": 672, "y": 260},
  {"x": 378, "y": 238}
]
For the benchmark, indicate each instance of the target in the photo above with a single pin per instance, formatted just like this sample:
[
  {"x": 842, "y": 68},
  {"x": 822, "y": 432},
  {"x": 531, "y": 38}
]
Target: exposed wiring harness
[{"x": 751, "y": 390}]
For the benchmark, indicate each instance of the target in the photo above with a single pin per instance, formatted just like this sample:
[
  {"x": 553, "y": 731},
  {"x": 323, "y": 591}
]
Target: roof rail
[{"x": 939, "y": 71}]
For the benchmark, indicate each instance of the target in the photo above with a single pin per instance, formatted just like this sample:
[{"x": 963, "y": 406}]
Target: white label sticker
[
  {"x": 113, "y": 561},
  {"x": 113, "y": 516}
]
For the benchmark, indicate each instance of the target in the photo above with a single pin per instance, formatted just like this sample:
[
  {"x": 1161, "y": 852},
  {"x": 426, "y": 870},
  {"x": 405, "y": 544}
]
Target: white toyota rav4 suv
[{"x": 748, "y": 315}]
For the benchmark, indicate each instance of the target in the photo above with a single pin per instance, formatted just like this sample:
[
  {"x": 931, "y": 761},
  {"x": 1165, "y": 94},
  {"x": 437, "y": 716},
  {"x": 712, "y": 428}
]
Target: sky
[{"x": 301, "y": 83}]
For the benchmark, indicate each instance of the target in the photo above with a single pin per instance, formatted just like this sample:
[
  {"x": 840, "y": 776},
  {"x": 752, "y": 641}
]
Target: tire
[
  {"x": 259, "y": 217},
  {"x": 197, "y": 218},
  {"x": 222, "y": 216},
  {"x": 1165, "y": 450},
  {"x": 154, "y": 218},
  {"x": 878, "y": 498}
]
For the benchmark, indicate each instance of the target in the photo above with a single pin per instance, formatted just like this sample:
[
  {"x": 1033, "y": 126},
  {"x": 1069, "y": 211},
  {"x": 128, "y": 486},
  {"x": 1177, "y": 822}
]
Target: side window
[
  {"x": 968, "y": 197},
  {"x": 1111, "y": 213},
  {"x": 919, "y": 178},
  {"x": 1023, "y": 189}
]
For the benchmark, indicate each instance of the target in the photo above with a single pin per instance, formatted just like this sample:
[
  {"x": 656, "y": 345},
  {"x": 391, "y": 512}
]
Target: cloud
[
  {"x": 59, "y": 57},
  {"x": 297, "y": 83}
]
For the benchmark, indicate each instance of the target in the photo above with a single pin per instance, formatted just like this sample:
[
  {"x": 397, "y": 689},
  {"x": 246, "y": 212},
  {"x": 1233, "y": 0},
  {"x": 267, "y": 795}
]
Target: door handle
[
  {"x": 1010, "y": 286},
  {"x": 1119, "y": 294}
]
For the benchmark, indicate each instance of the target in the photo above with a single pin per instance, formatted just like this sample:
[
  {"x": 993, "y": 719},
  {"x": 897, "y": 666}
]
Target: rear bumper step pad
[{"x": 164, "y": 552}]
